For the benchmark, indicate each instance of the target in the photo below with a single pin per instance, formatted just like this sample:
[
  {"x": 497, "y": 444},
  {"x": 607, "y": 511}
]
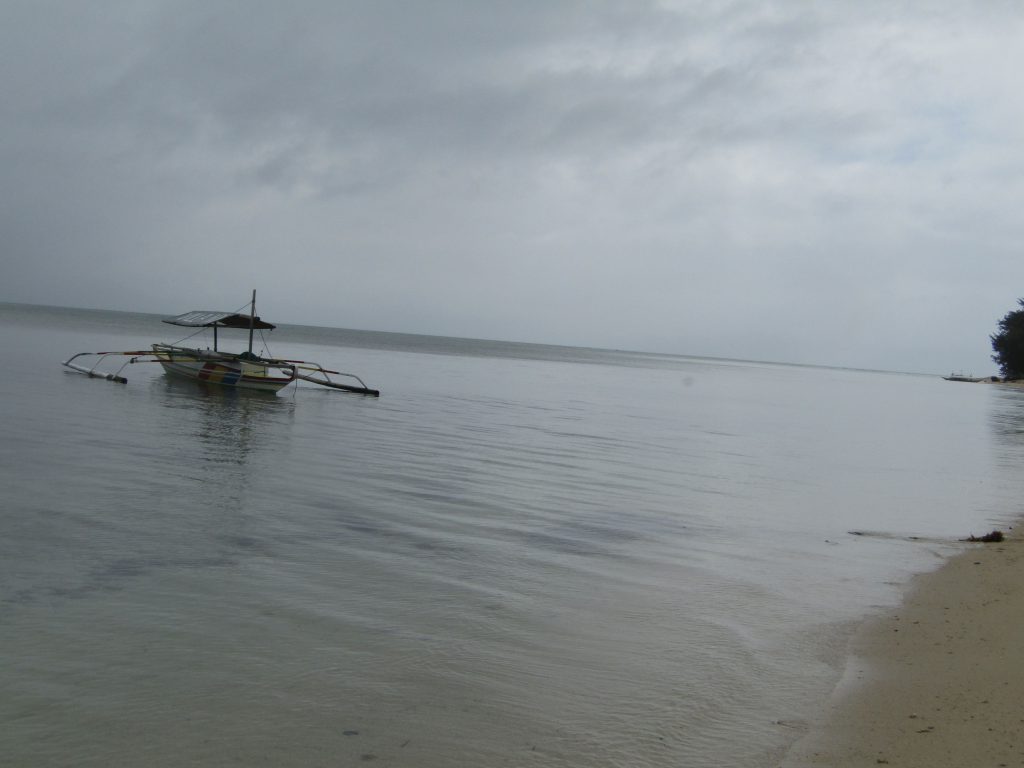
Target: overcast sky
[{"x": 824, "y": 182}]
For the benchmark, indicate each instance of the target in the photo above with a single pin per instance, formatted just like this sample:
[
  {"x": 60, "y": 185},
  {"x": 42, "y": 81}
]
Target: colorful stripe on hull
[{"x": 215, "y": 373}]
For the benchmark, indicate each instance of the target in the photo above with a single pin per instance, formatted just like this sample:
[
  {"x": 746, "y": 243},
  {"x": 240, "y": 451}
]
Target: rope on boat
[
  {"x": 202, "y": 329},
  {"x": 263, "y": 341}
]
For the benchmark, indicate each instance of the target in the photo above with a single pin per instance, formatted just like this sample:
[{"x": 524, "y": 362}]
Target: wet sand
[{"x": 938, "y": 681}]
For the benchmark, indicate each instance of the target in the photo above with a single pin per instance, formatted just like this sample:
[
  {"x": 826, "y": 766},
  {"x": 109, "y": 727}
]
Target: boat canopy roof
[{"x": 201, "y": 319}]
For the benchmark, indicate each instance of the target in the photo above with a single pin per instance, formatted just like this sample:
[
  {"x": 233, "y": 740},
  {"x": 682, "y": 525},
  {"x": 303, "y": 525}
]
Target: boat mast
[{"x": 252, "y": 318}]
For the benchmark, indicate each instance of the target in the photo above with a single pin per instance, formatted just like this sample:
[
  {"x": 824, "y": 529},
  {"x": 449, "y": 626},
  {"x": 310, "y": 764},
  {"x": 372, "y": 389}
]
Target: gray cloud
[{"x": 831, "y": 183}]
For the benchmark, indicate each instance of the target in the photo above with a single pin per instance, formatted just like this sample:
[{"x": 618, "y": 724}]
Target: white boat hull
[{"x": 222, "y": 369}]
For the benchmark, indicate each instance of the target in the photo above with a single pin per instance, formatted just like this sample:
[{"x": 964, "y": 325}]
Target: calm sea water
[{"x": 519, "y": 555}]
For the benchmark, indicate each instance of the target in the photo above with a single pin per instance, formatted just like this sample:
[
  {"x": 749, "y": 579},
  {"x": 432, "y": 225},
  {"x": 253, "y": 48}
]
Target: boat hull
[{"x": 222, "y": 369}]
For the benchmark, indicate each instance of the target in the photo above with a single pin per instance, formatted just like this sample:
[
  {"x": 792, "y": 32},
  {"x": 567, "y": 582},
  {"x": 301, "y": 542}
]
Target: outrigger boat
[
  {"x": 963, "y": 377},
  {"x": 243, "y": 370}
]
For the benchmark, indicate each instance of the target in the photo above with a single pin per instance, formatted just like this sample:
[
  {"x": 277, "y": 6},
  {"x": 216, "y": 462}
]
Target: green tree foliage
[{"x": 1008, "y": 344}]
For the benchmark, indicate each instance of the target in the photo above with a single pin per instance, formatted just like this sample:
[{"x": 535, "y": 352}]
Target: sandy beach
[{"x": 938, "y": 681}]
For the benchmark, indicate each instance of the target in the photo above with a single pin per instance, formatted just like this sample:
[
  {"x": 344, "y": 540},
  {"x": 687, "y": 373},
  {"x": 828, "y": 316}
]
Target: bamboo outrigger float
[{"x": 242, "y": 370}]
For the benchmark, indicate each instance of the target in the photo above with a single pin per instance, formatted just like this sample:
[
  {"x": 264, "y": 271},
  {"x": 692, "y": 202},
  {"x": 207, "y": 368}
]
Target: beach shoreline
[{"x": 936, "y": 681}]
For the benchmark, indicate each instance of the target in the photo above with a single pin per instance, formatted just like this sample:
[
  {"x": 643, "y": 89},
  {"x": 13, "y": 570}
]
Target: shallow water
[{"x": 518, "y": 555}]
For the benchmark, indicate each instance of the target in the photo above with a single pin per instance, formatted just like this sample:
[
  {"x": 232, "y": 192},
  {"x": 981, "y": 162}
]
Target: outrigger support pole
[
  {"x": 316, "y": 368},
  {"x": 92, "y": 373},
  {"x": 363, "y": 390}
]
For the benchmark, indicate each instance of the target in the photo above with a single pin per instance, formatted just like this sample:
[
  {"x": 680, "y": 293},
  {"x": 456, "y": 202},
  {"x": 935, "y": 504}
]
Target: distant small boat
[
  {"x": 963, "y": 377},
  {"x": 242, "y": 370}
]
